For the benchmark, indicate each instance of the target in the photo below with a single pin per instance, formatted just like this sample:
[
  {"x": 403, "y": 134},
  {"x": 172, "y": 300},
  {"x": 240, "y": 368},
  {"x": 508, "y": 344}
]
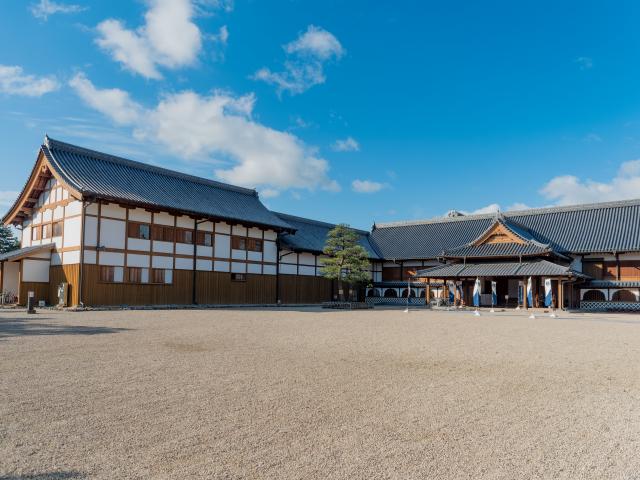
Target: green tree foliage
[
  {"x": 8, "y": 240},
  {"x": 347, "y": 260}
]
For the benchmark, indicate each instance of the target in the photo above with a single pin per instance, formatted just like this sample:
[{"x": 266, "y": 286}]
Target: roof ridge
[
  {"x": 317, "y": 222},
  {"x": 512, "y": 213},
  {"x": 53, "y": 143}
]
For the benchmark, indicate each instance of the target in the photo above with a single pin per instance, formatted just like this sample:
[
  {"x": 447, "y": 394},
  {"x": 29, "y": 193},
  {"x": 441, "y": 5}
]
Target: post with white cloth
[
  {"x": 530, "y": 295},
  {"x": 494, "y": 295},
  {"x": 476, "y": 296},
  {"x": 548, "y": 296}
]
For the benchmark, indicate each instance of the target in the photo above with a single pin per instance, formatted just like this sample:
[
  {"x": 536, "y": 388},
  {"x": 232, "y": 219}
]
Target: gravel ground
[{"x": 307, "y": 394}]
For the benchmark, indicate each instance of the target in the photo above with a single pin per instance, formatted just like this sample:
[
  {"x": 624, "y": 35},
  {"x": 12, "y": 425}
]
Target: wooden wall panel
[
  {"x": 216, "y": 288},
  {"x": 301, "y": 289},
  {"x": 64, "y": 273},
  {"x": 41, "y": 291},
  {"x": 96, "y": 293}
]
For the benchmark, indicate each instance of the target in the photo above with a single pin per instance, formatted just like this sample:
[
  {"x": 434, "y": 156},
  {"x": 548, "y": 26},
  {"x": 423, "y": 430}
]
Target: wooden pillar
[
  {"x": 524, "y": 294},
  {"x": 617, "y": 267},
  {"x": 427, "y": 293},
  {"x": 560, "y": 295}
]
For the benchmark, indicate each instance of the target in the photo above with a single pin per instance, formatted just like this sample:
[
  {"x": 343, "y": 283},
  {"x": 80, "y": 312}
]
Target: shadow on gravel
[
  {"x": 20, "y": 327},
  {"x": 45, "y": 476}
]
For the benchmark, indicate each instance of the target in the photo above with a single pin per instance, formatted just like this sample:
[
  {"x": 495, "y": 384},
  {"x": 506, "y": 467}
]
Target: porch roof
[
  {"x": 505, "y": 269},
  {"x": 15, "y": 255}
]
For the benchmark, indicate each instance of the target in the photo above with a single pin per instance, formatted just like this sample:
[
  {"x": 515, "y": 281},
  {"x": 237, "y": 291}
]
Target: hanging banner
[
  {"x": 530, "y": 292},
  {"x": 548, "y": 297},
  {"x": 460, "y": 291},
  {"x": 476, "y": 293},
  {"x": 494, "y": 293},
  {"x": 452, "y": 291},
  {"x": 520, "y": 292}
]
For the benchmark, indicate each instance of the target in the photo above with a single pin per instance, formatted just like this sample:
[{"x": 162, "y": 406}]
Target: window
[
  {"x": 238, "y": 243},
  {"x": 161, "y": 276},
  {"x": 57, "y": 229},
  {"x": 184, "y": 236},
  {"x": 254, "y": 245},
  {"x": 238, "y": 277},
  {"x": 134, "y": 275},
  {"x": 139, "y": 230},
  {"x": 204, "y": 238},
  {"x": 106, "y": 274},
  {"x": 162, "y": 233},
  {"x": 46, "y": 231}
]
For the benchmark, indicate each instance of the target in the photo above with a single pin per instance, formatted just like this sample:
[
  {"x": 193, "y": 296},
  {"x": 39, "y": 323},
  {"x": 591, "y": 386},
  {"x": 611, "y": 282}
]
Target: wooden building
[{"x": 119, "y": 232}]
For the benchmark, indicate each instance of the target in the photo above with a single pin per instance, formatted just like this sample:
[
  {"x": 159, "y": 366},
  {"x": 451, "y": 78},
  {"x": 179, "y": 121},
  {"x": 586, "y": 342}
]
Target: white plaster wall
[
  {"x": 184, "y": 249},
  {"x": 269, "y": 269},
  {"x": 184, "y": 222},
  {"x": 11, "y": 281},
  {"x": 70, "y": 258},
  {"x": 270, "y": 252},
  {"x": 138, "y": 244},
  {"x": 92, "y": 209},
  {"x": 111, "y": 258},
  {"x": 90, "y": 231},
  {"x": 73, "y": 208},
  {"x": 254, "y": 268},
  {"x": 287, "y": 269},
  {"x": 26, "y": 236},
  {"x": 270, "y": 235},
  {"x": 118, "y": 274},
  {"x": 35, "y": 270},
  {"x": 219, "y": 266},
  {"x": 254, "y": 256},
  {"x": 305, "y": 270},
  {"x": 139, "y": 215},
  {"x": 58, "y": 213},
  {"x": 239, "y": 230},
  {"x": 204, "y": 265},
  {"x": 168, "y": 276},
  {"x": 162, "y": 247},
  {"x": 222, "y": 246},
  {"x": 90, "y": 256},
  {"x": 134, "y": 260},
  {"x": 47, "y": 216},
  {"x": 222, "y": 227},
  {"x": 184, "y": 264},
  {"x": 206, "y": 227},
  {"x": 72, "y": 232},
  {"x": 163, "y": 219},
  {"x": 237, "y": 267},
  {"x": 112, "y": 233},
  {"x": 113, "y": 211},
  {"x": 239, "y": 254},
  {"x": 56, "y": 258},
  {"x": 205, "y": 251},
  {"x": 306, "y": 259},
  {"x": 162, "y": 262},
  {"x": 255, "y": 232}
]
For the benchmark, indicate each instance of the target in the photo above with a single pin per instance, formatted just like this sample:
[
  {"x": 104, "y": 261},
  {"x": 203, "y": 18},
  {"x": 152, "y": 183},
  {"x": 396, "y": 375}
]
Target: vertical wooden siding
[
  {"x": 301, "y": 289},
  {"x": 64, "y": 273},
  {"x": 40, "y": 289}
]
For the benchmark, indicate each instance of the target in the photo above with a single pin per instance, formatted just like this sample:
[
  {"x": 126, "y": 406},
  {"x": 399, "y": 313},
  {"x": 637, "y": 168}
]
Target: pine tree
[
  {"x": 347, "y": 260},
  {"x": 8, "y": 240}
]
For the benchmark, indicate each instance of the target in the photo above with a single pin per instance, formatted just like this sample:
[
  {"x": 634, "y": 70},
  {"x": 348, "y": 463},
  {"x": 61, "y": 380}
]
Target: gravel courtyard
[{"x": 283, "y": 394}]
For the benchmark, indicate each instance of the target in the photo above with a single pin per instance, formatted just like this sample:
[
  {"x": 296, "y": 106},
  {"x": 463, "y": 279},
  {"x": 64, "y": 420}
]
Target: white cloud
[
  {"x": 222, "y": 36},
  {"x": 306, "y": 57},
  {"x": 44, "y": 8},
  {"x": 348, "y": 144},
  {"x": 7, "y": 197},
  {"x": 592, "y": 138},
  {"x": 366, "y": 186},
  {"x": 569, "y": 189},
  {"x": 195, "y": 127},
  {"x": 114, "y": 103},
  {"x": 14, "y": 81},
  {"x": 169, "y": 38},
  {"x": 584, "y": 63},
  {"x": 492, "y": 208}
]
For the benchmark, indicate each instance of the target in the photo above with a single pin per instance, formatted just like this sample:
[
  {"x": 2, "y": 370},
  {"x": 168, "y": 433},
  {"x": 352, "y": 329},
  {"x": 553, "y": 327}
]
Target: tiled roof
[
  {"x": 96, "y": 174},
  {"x": 505, "y": 269},
  {"x": 311, "y": 235},
  {"x": 600, "y": 227},
  {"x": 496, "y": 250},
  {"x": 24, "y": 252}
]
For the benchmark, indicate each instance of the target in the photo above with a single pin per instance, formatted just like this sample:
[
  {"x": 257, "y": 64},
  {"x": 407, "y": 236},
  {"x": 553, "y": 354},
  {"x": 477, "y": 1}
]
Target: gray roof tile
[
  {"x": 504, "y": 269},
  {"x": 99, "y": 175}
]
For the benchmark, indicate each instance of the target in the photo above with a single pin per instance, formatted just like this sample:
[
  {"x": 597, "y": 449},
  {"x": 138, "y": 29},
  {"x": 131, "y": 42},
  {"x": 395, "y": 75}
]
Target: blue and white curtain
[
  {"x": 460, "y": 291},
  {"x": 520, "y": 292},
  {"x": 494, "y": 293},
  {"x": 476, "y": 293},
  {"x": 452, "y": 291},
  {"x": 530, "y": 292},
  {"x": 548, "y": 296}
]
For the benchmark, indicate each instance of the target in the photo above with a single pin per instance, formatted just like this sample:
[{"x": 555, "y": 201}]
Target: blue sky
[{"x": 342, "y": 111}]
